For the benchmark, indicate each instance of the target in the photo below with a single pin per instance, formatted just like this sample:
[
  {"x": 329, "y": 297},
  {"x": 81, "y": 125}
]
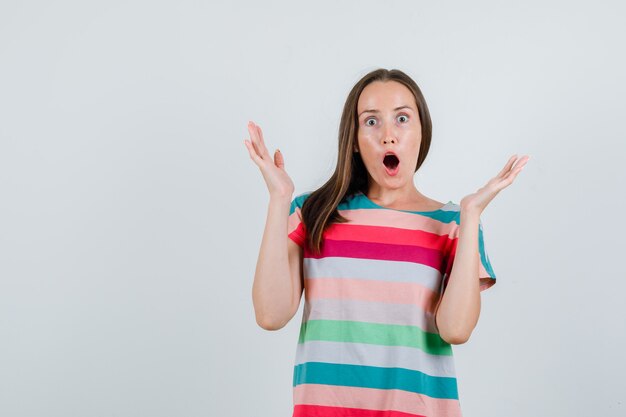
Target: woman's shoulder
[{"x": 431, "y": 204}]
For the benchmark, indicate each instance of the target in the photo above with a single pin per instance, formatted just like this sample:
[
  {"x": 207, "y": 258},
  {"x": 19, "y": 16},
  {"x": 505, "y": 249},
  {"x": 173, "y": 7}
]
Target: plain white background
[{"x": 131, "y": 214}]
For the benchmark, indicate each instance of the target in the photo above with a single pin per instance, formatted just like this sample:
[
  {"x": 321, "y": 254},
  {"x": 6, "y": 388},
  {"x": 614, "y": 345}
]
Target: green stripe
[
  {"x": 375, "y": 377},
  {"x": 374, "y": 333}
]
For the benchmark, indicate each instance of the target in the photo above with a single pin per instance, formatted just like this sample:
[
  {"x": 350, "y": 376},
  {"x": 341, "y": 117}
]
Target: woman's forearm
[
  {"x": 272, "y": 291},
  {"x": 459, "y": 307}
]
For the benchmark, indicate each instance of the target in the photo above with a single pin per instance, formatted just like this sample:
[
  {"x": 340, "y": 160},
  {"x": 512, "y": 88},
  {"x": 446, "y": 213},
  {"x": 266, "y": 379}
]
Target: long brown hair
[{"x": 319, "y": 209}]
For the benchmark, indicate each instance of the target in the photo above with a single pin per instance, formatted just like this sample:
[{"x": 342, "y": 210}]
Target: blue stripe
[{"x": 375, "y": 377}]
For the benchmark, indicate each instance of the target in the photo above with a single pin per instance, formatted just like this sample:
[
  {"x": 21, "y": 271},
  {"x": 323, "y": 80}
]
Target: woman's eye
[{"x": 367, "y": 122}]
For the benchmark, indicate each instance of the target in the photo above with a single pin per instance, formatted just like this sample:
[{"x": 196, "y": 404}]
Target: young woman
[{"x": 391, "y": 277}]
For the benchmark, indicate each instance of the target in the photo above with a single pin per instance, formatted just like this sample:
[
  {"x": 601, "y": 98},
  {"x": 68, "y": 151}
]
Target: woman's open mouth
[{"x": 392, "y": 163}]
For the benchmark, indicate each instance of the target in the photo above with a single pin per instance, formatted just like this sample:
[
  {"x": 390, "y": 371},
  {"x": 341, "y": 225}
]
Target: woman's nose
[{"x": 388, "y": 135}]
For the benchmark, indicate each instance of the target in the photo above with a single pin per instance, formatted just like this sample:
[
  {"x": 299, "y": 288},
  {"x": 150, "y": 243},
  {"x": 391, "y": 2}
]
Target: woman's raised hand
[
  {"x": 476, "y": 202},
  {"x": 273, "y": 169}
]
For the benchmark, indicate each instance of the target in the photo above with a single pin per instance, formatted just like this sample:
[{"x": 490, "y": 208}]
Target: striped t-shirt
[{"x": 368, "y": 343}]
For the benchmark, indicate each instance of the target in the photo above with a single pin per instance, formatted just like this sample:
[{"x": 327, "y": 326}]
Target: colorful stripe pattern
[{"x": 368, "y": 344}]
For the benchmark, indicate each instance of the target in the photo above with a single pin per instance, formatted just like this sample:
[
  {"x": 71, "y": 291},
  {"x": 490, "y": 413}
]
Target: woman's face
[{"x": 388, "y": 122}]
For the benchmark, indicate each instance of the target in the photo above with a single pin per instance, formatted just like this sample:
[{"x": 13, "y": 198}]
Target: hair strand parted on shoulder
[{"x": 319, "y": 210}]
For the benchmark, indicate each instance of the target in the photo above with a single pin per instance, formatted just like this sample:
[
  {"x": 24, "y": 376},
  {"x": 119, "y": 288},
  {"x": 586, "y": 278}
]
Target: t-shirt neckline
[{"x": 399, "y": 210}]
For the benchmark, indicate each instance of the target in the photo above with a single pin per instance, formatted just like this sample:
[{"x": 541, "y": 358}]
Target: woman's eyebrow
[{"x": 377, "y": 111}]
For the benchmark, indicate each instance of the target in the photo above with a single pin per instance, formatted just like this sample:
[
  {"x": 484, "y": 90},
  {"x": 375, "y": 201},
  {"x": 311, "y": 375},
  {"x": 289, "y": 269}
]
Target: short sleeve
[
  {"x": 486, "y": 273},
  {"x": 296, "y": 230}
]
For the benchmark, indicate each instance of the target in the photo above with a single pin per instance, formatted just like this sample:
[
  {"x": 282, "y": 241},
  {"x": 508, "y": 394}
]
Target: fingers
[
  {"x": 260, "y": 142},
  {"x": 260, "y": 132},
  {"x": 507, "y": 166},
  {"x": 256, "y": 142},
  {"x": 279, "y": 161},
  {"x": 521, "y": 163},
  {"x": 253, "y": 153},
  {"x": 257, "y": 149}
]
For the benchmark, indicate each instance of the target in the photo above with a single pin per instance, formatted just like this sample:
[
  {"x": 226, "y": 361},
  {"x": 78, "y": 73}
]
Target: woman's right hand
[{"x": 273, "y": 169}]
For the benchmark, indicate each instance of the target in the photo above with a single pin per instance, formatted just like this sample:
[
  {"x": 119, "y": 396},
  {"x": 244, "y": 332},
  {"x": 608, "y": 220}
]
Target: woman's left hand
[{"x": 477, "y": 201}]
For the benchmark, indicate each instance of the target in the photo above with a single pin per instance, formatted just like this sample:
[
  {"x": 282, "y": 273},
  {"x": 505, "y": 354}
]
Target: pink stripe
[
  {"x": 372, "y": 290},
  {"x": 399, "y": 220},
  {"x": 375, "y": 399}
]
